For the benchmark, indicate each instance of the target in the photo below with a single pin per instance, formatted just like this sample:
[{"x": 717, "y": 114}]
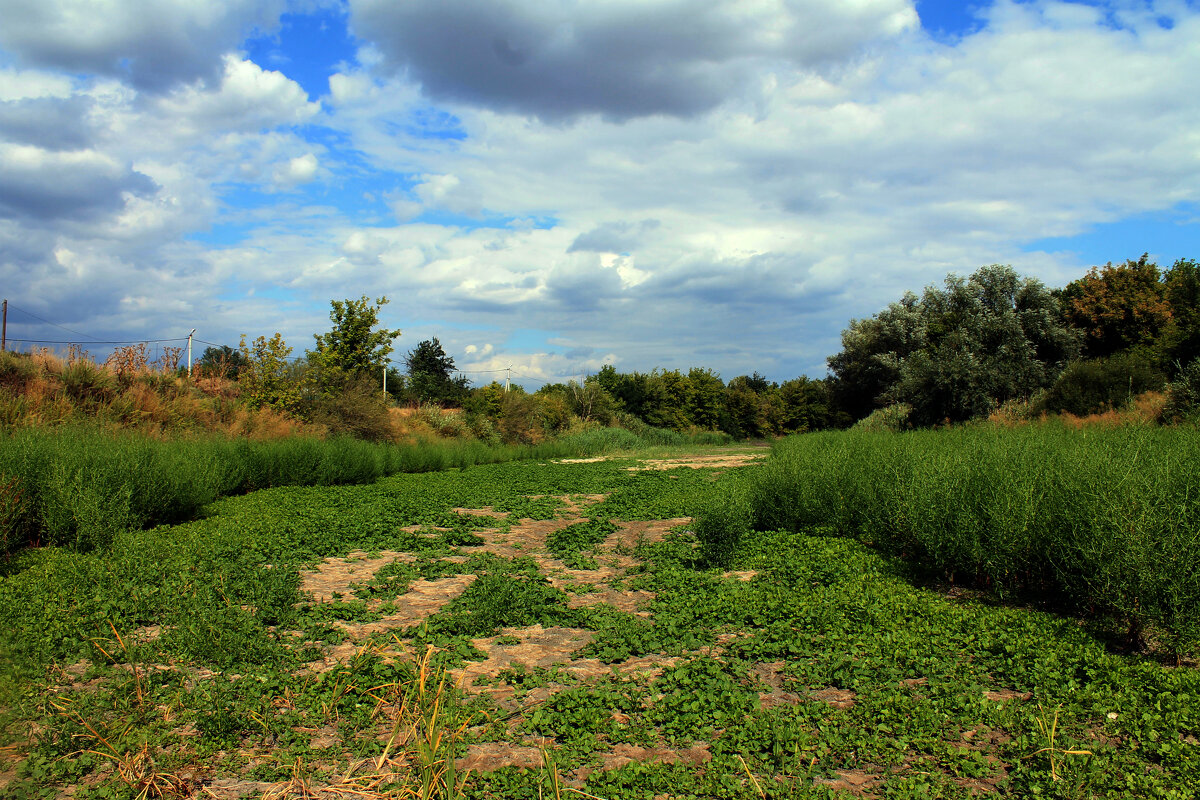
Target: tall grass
[
  {"x": 78, "y": 487},
  {"x": 1107, "y": 519}
]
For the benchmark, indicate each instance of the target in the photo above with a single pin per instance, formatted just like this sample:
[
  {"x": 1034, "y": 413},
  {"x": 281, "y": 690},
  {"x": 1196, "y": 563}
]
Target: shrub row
[
  {"x": 1105, "y": 519},
  {"x": 78, "y": 487}
]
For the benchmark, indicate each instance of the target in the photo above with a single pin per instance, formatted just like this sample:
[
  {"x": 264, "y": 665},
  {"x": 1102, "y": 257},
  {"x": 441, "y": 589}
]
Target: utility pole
[
  {"x": 385, "y": 381},
  {"x": 190, "y": 335},
  {"x": 4, "y": 329}
]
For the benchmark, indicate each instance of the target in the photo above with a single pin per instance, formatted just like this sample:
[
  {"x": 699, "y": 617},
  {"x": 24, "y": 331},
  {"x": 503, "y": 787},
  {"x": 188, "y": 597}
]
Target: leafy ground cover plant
[{"x": 199, "y": 658}]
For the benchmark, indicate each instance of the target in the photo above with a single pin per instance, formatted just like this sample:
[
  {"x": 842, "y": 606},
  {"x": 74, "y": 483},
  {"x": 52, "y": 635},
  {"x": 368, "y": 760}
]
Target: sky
[{"x": 549, "y": 186}]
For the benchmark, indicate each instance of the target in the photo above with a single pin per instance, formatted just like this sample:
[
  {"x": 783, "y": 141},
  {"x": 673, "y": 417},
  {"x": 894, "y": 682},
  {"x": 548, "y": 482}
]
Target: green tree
[
  {"x": 590, "y": 402},
  {"x": 805, "y": 405},
  {"x": 708, "y": 398},
  {"x": 1118, "y": 307},
  {"x": 1182, "y": 283},
  {"x": 353, "y": 346},
  {"x": 668, "y": 400},
  {"x": 957, "y": 352},
  {"x": 873, "y": 349},
  {"x": 429, "y": 374},
  {"x": 265, "y": 377},
  {"x": 222, "y": 360},
  {"x": 745, "y": 416}
]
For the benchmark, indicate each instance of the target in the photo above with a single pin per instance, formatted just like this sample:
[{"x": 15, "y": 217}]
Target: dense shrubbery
[
  {"x": 1105, "y": 519},
  {"x": 1088, "y": 387}
]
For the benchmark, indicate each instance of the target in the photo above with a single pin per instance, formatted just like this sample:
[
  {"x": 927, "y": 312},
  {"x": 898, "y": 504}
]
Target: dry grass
[
  {"x": 148, "y": 396},
  {"x": 1145, "y": 409}
]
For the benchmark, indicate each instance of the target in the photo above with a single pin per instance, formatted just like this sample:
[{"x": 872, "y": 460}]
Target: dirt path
[{"x": 531, "y": 648}]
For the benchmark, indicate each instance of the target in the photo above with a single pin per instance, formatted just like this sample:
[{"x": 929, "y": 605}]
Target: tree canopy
[
  {"x": 1118, "y": 307},
  {"x": 429, "y": 373},
  {"x": 957, "y": 352},
  {"x": 353, "y": 345}
]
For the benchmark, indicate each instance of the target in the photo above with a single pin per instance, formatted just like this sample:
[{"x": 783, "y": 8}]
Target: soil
[{"x": 534, "y": 646}]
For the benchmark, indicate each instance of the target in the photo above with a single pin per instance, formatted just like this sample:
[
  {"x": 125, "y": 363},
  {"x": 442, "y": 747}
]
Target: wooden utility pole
[{"x": 4, "y": 328}]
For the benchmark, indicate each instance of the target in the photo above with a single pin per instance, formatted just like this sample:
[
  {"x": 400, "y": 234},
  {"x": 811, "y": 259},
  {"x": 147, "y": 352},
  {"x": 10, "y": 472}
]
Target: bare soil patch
[
  {"x": 333, "y": 577},
  {"x": 701, "y": 462},
  {"x": 424, "y": 598},
  {"x": 838, "y": 698}
]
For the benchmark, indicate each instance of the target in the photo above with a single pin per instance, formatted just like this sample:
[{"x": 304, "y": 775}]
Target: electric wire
[{"x": 48, "y": 322}]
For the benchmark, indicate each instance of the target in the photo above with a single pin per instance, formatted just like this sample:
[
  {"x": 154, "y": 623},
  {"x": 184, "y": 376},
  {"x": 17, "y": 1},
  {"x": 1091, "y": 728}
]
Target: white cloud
[
  {"x": 777, "y": 178},
  {"x": 153, "y": 43},
  {"x": 297, "y": 171},
  {"x": 618, "y": 59}
]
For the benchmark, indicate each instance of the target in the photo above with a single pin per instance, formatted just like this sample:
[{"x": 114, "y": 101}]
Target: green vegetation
[
  {"x": 1102, "y": 520},
  {"x": 79, "y": 487},
  {"x": 185, "y": 657}
]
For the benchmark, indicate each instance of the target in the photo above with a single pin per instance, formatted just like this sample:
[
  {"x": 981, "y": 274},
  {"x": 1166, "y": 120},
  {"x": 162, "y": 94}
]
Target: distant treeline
[{"x": 993, "y": 343}]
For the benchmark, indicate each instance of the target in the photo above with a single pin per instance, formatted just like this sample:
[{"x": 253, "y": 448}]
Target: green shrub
[
  {"x": 889, "y": 418},
  {"x": 356, "y": 408},
  {"x": 85, "y": 382},
  {"x": 1089, "y": 387},
  {"x": 16, "y": 370},
  {"x": 1183, "y": 394}
]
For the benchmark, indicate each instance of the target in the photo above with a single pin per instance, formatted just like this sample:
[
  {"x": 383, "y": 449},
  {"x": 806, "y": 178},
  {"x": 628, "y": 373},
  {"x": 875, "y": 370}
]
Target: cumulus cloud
[
  {"x": 617, "y": 59},
  {"x": 49, "y": 122},
  {"x": 152, "y": 43},
  {"x": 246, "y": 98},
  {"x": 44, "y": 184},
  {"x": 612, "y": 237},
  {"x": 296, "y": 171}
]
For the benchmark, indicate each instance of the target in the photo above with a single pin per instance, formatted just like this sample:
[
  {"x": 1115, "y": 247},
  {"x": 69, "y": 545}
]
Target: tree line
[{"x": 991, "y": 341}]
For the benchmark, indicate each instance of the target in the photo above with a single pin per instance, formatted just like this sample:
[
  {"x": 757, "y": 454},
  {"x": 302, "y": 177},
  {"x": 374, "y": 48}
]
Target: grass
[
  {"x": 1103, "y": 520},
  {"x": 80, "y": 487},
  {"x": 184, "y": 655}
]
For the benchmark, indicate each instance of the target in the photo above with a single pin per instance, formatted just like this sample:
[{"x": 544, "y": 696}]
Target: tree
[
  {"x": 265, "y": 378},
  {"x": 873, "y": 349},
  {"x": 1118, "y": 307},
  {"x": 353, "y": 346},
  {"x": 1182, "y": 283},
  {"x": 805, "y": 405},
  {"x": 589, "y": 401},
  {"x": 708, "y": 398},
  {"x": 429, "y": 370},
  {"x": 957, "y": 352},
  {"x": 668, "y": 401},
  {"x": 223, "y": 361}
]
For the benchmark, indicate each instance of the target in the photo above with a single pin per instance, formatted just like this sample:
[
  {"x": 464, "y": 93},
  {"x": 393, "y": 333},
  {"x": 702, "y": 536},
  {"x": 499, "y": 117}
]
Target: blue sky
[{"x": 553, "y": 186}]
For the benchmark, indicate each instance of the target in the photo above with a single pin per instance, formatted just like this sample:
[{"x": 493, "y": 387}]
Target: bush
[
  {"x": 1089, "y": 387},
  {"x": 16, "y": 370},
  {"x": 84, "y": 382},
  {"x": 356, "y": 408},
  {"x": 892, "y": 418},
  {"x": 1183, "y": 395}
]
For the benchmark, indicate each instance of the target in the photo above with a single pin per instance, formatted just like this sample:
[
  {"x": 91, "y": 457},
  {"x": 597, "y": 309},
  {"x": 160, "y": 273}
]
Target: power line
[
  {"x": 55, "y": 324},
  {"x": 70, "y": 341}
]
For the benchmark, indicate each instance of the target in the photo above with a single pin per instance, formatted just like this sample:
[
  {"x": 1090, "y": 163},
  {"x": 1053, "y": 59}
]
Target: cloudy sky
[{"x": 553, "y": 185}]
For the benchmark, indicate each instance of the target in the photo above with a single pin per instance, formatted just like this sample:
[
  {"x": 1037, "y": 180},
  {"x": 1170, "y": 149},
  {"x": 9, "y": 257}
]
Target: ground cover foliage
[
  {"x": 308, "y": 641},
  {"x": 79, "y": 486},
  {"x": 1106, "y": 521}
]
